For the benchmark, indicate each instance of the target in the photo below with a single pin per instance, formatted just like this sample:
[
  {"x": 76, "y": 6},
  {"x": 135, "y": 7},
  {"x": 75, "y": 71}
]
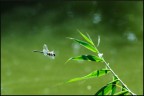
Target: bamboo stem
[{"x": 118, "y": 77}]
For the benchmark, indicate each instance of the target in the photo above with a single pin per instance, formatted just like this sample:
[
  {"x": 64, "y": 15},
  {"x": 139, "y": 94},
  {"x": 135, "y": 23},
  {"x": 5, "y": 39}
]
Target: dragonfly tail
[{"x": 37, "y": 51}]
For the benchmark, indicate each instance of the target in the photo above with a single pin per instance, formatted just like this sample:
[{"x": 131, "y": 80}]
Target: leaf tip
[
  {"x": 98, "y": 40},
  {"x": 68, "y": 60}
]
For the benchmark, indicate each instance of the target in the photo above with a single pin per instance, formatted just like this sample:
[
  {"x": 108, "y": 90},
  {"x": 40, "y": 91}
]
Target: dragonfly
[{"x": 46, "y": 52}]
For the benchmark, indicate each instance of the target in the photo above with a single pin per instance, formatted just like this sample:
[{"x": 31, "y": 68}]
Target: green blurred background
[{"x": 27, "y": 25}]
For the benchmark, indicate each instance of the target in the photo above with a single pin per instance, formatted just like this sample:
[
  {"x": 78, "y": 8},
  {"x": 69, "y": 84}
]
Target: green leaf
[
  {"x": 123, "y": 88},
  {"x": 114, "y": 78},
  {"x": 98, "y": 41},
  {"x": 86, "y": 38},
  {"x": 107, "y": 88},
  {"x": 89, "y": 37},
  {"x": 86, "y": 45},
  {"x": 96, "y": 73},
  {"x": 122, "y": 92},
  {"x": 87, "y": 57},
  {"x": 114, "y": 87}
]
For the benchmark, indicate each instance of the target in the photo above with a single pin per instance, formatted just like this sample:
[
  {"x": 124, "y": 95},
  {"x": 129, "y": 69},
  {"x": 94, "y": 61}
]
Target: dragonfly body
[{"x": 46, "y": 52}]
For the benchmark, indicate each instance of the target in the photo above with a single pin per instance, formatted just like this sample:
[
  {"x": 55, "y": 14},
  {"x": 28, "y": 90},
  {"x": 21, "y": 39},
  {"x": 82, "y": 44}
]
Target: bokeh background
[{"x": 27, "y": 25}]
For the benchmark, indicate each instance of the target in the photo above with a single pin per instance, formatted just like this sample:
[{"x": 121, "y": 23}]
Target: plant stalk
[{"x": 118, "y": 77}]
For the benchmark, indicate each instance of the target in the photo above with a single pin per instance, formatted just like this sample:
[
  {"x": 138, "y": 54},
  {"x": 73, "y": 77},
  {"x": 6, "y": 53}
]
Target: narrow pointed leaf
[
  {"x": 114, "y": 78},
  {"x": 98, "y": 41},
  {"x": 89, "y": 37},
  {"x": 123, "y": 88},
  {"x": 88, "y": 58},
  {"x": 86, "y": 45},
  {"x": 104, "y": 90},
  {"x": 114, "y": 87},
  {"x": 86, "y": 38},
  {"x": 107, "y": 88},
  {"x": 96, "y": 73},
  {"x": 122, "y": 92}
]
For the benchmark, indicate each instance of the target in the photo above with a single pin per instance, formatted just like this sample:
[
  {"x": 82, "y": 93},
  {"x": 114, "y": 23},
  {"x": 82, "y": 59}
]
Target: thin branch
[{"x": 117, "y": 77}]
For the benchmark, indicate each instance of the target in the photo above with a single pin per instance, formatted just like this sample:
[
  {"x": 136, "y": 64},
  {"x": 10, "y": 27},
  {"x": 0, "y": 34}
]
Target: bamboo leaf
[
  {"x": 86, "y": 45},
  {"x": 107, "y": 88},
  {"x": 98, "y": 41},
  {"x": 104, "y": 90},
  {"x": 87, "y": 57},
  {"x": 86, "y": 38},
  {"x": 114, "y": 78},
  {"x": 123, "y": 88},
  {"x": 89, "y": 37},
  {"x": 96, "y": 73},
  {"x": 114, "y": 87},
  {"x": 122, "y": 92}
]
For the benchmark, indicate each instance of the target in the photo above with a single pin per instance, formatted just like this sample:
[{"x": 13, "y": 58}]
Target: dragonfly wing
[
  {"x": 45, "y": 49},
  {"x": 45, "y": 52}
]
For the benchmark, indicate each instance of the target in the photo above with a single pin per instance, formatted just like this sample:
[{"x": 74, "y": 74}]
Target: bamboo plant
[{"x": 109, "y": 88}]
